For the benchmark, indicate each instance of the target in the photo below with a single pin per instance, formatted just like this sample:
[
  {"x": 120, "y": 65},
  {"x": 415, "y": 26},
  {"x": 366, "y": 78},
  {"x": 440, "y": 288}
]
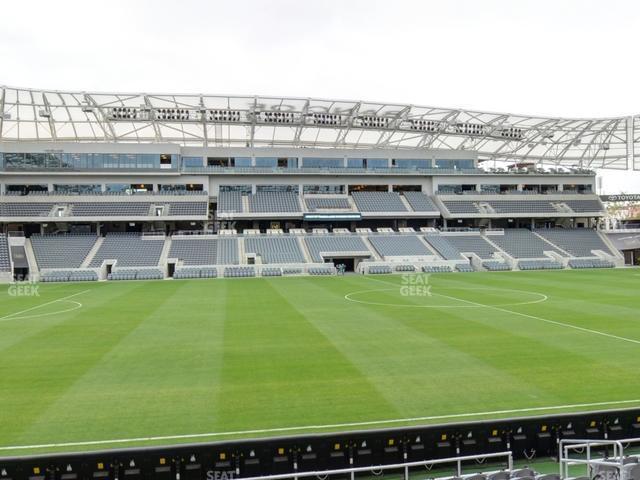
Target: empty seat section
[
  {"x": 227, "y": 252},
  {"x": 195, "y": 272},
  {"x": 110, "y": 209},
  {"x": 136, "y": 274},
  {"x": 25, "y": 209},
  {"x": 378, "y": 202},
  {"x": 274, "y": 202},
  {"x": 240, "y": 272},
  {"x": 69, "y": 276},
  {"x": 341, "y": 245},
  {"x": 539, "y": 265},
  {"x": 399, "y": 245},
  {"x": 380, "y": 270},
  {"x": 472, "y": 244},
  {"x": 459, "y": 207},
  {"x": 579, "y": 242},
  {"x": 581, "y": 206},
  {"x": 271, "y": 272},
  {"x": 194, "y": 251},
  {"x": 447, "y": 250},
  {"x": 229, "y": 202},
  {"x": 521, "y": 243},
  {"x": 522, "y": 206},
  {"x": 188, "y": 208},
  {"x": 496, "y": 266},
  {"x": 5, "y": 262},
  {"x": 275, "y": 249},
  {"x": 331, "y": 203},
  {"x": 436, "y": 269},
  {"x": 61, "y": 251},
  {"x": 420, "y": 202},
  {"x": 405, "y": 268},
  {"x": 590, "y": 263},
  {"x": 130, "y": 250},
  {"x": 321, "y": 270},
  {"x": 464, "y": 267}
]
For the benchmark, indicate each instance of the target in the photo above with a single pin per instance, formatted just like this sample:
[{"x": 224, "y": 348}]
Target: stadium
[{"x": 210, "y": 286}]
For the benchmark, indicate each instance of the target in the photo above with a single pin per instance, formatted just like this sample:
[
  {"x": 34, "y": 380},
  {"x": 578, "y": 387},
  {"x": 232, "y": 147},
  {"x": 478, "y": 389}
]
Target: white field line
[
  {"x": 349, "y": 296},
  {"x": 533, "y": 317},
  {"x": 313, "y": 427},
  {"x": 76, "y": 306},
  {"x": 6, "y": 318}
]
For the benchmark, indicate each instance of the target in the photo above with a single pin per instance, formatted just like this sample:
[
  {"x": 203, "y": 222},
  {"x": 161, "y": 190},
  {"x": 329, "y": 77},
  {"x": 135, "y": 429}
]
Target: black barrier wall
[{"x": 531, "y": 437}]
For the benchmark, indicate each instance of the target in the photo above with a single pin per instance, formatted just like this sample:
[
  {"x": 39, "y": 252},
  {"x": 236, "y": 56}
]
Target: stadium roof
[{"x": 256, "y": 121}]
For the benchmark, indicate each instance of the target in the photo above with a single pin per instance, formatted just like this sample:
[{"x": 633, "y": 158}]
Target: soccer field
[{"x": 105, "y": 365}]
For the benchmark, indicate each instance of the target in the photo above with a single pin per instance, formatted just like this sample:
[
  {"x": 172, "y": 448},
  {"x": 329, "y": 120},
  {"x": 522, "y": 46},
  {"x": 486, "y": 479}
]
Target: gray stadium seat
[
  {"x": 446, "y": 249},
  {"x": 229, "y": 202},
  {"x": 25, "y": 209},
  {"x": 188, "y": 209},
  {"x": 330, "y": 203},
  {"x": 195, "y": 250},
  {"x": 275, "y": 249},
  {"x": 472, "y": 244},
  {"x": 521, "y": 243},
  {"x": 579, "y": 242},
  {"x": 130, "y": 250},
  {"x": 420, "y": 202},
  {"x": 111, "y": 209},
  {"x": 399, "y": 245},
  {"x": 378, "y": 202},
  {"x": 5, "y": 261},
  {"x": 62, "y": 251},
  {"x": 340, "y": 244},
  {"x": 274, "y": 202}
]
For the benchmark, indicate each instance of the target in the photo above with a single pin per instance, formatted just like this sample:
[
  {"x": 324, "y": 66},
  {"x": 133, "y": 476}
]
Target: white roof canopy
[{"x": 254, "y": 121}]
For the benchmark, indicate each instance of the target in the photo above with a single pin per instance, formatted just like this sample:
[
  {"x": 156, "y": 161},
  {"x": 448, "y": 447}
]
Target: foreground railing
[
  {"x": 405, "y": 466},
  {"x": 614, "y": 455}
]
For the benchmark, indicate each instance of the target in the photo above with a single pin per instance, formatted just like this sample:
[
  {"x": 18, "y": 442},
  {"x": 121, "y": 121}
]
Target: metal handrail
[
  {"x": 379, "y": 468},
  {"x": 566, "y": 445}
]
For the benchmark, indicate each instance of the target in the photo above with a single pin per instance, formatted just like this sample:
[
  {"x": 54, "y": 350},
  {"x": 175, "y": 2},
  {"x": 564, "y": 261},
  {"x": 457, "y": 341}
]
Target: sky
[{"x": 568, "y": 58}]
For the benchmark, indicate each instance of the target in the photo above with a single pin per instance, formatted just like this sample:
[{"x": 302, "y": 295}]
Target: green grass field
[{"x": 105, "y": 365}]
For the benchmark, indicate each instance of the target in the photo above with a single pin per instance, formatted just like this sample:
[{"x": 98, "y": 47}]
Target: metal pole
[
  {"x": 404, "y": 456},
  {"x": 459, "y": 463},
  {"x": 353, "y": 474}
]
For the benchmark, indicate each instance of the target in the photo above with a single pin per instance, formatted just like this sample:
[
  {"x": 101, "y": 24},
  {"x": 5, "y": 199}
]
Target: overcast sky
[{"x": 570, "y": 58}]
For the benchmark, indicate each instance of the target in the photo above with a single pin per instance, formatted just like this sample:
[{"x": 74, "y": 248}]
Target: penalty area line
[
  {"x": 11, "y": 315},
  {"x": 314, "y": 427}
]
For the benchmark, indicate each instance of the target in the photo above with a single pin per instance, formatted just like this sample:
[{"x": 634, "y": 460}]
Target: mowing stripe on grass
[
  {"x": 546, "y": 320},
  {"x": 553, "y": 322},
  {"x": 316, "y": 427},
  {"x": 11, "y": 315}
]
